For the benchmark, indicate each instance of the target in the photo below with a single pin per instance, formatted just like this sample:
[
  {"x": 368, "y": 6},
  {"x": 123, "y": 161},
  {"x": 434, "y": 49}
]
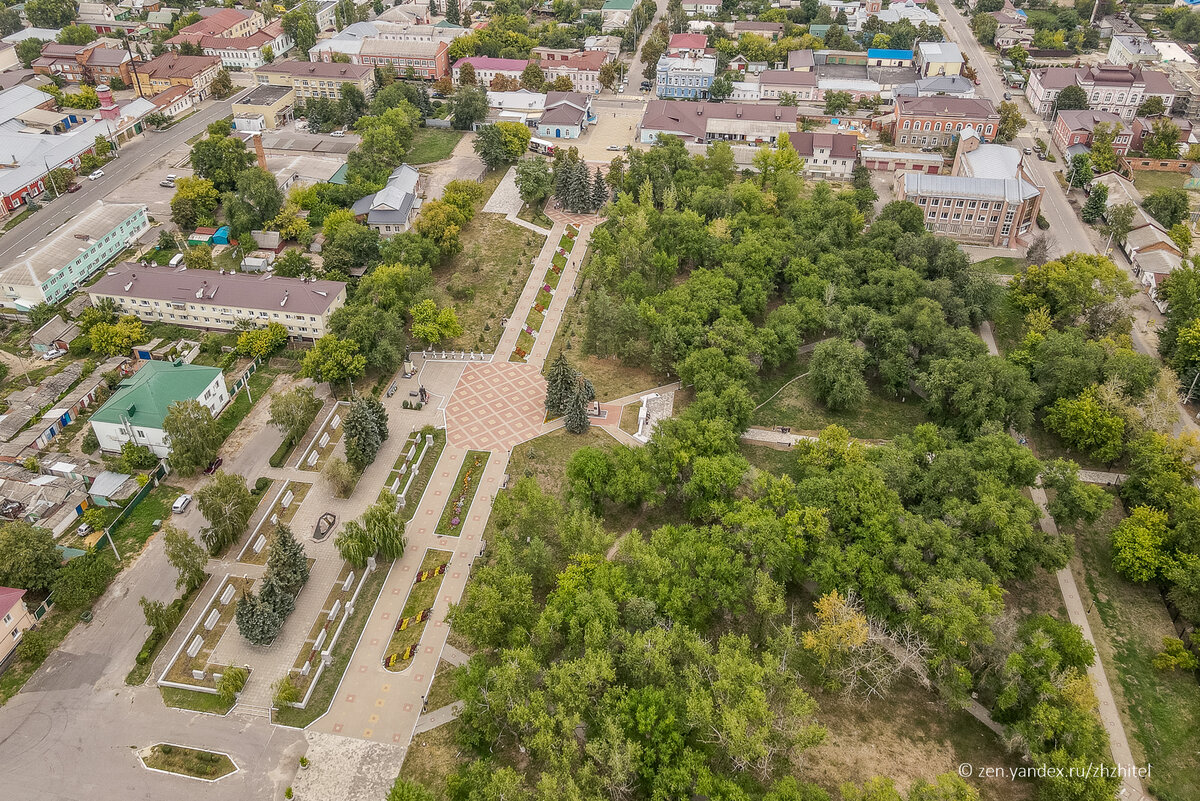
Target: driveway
[{"x": 463, "y": 163}]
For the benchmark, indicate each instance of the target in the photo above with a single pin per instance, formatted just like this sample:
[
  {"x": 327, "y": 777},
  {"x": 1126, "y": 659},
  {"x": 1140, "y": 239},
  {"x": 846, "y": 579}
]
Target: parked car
[
  {"x": 181, "y": 503},
  {"x": 977, "y": 82},
  {"x": 167, "y": 182},
  {"x": 214, "y": 466},
  {"x": 74, "y": 188},
  {"x": 1028, "y": 151},
  {"x": 621, "y": 89},
  {"x": 1008, "y": 95},
  {"x": 1041, "y": 155},
  {"x": 613, "y": 147},
  {"x": 338, "y": 134},
  {"x": 52, "y": 354},
  {"x": 83, "y": 530},
  {"x": 95, "y": 175}
]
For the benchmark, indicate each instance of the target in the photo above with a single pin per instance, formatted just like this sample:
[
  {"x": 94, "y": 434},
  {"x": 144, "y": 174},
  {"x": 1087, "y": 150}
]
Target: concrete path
[
  {"x": 537, "y": 271},
  {"x": 563, "y": 293},
  {"x": 454, "y": 656},
  {"x": 1110, "y": 716},
  {"x": 439, "y": 717}
]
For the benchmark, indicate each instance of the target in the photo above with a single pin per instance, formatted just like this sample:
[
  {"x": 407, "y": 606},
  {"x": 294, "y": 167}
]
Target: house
[
  {"x": 317, "y": 78},
  {"x": 685, "y": 77},
  {"x": 687, "y": 44},
  {"x": 696, "y": 8},
  {"x": 520, "y": 105},
  {"x": 774, "y": 84},
  {"x": 241, "y": 52},
  {"x": 566, "y": 115},
  {"x": 801, "y": 60},
  {"x": 939, "y": 58},
  {"x": 705, "y": 122},
  {"x": 392, "y": 209},
  {"x": 609, "y": 44},
  {"x": 161, "y": 20},
  {"x": 1119, "y": 89},
  {"x": 228, "y": 23},
  {"x": 878, "y": 57},
  {"x": 487, "y": 69},
  {"x": 952, "y": 85},
  {"x": 1131, "y": 50},
  {"x": 581, "y": 67},
  {"x": 1144, "y": 125},
  {"x": 139, "y": 405},
  {"x": 174, "y": 101},
  {"x": 60, "y": 263},
  {"x": 15, "y": 620},
  {"x": 989, "y": 198},
  {"x": 936, "y": 120},
  {"x": 1075, "y": 128},
  {"x": 429, "y": 60},
  {"x": 57, "y": 333},
  {"x": 615, "y": 14},
  {"x": 1116, "y": 24},
  {"x": 171, "y": 69},
  {"x": 84, "y": 63},
  {"x": 267, "y": 108},
  {"x": 219, "y": 302},
  {"x": 409, "y": 14},
  {"x": 827, "y": 155}
]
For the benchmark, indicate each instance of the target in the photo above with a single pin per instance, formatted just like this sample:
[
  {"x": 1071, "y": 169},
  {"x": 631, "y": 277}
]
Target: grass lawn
[
  {"x": 1160, "y": 709},
  {"x": 797, "y": 406},
  {"x": 545, "y": 458},
  {"x": 180, "y": 671},
  {"x": 424, "y": 473},
  {"x": 1147, "y": 181},
  {"x": 420, "y": 597},
  {"x": 267, "y": 529},
  {"x": 15, "y": 221},
  {"x": 327, "y": 685},
  {"x": 189, "y": 761},
  {"x": 195, "y": 701},
  {"x": 432, "y": 144},
  {"x": 466, "y": 486},
  {"x": 484, "y": 281},
  {"x": 433, "y": 756},
  {"x": 1000, "y": 265},
  {"x": 134, "y": 531},
  {"x": 55, "y": 627},
  {"x": 140, "y": 673},
  {"x": 441, "y": 692},
  {"x": 1048, "y": 445},
  {"x": 535, "y": 215},
  {"x": 236, "y": 412},
  {"x": 771, "y": 460}
]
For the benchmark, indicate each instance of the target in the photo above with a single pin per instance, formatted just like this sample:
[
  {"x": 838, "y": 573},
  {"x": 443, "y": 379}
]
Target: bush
[
  {"x": 281, "y": 453},
  {"x": 1042, "y": 222},
  {"x": 34, "y": 647},
  {"x": 90, "y": 443},
  {"x": 164, "y": 749},
  {"x": 1175, "y": 656},
  {"x": 261, "y": 484}
]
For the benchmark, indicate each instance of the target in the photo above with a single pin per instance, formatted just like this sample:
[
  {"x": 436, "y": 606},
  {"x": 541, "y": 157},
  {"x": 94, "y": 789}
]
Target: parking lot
[{"x": 616, "y": 124}]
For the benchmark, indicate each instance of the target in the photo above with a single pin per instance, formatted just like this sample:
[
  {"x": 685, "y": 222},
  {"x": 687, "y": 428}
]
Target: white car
[
  {"x": 338, "y": 134},
  {"x": 181, "y": 504},
  {"x": 95, "y": 175},
  {"x": 52, "y": 354}
]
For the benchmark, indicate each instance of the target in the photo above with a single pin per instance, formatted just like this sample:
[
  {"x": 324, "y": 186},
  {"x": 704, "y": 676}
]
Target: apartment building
[
  {"x": 935, "y": 120},
  {"x": 1116, "y": 88},
  {"x": 582, "y": 67},
  {"x": 242, "y": 52},
  {"x": 316, "y": 78},
  {"x": 171, "y": 69},
  {"x": 211, "y": 301},
  {"x": 827, "y": 155},
  {"x": 685, "y": 77},
  {"x": 230, "y": 23},
  {"x": 83, "y": 63}
]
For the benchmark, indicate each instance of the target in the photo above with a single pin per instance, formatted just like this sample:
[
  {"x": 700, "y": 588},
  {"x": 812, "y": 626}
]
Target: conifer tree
[
  {"x": 560, "y": 384},
  {"x": 286, "y": 561},
  {"x": 599, "y": 191},
  {"x": 1097, "y": 202},
  {"x": 582, "y": 393}
]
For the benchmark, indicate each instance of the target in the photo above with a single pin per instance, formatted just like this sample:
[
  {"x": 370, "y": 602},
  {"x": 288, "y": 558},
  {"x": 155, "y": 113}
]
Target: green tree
[
  {"x": 968, "y": 393},
  {"x": 560, "y": 385},
  {"x": 836, "y": 374},
  {"x": 1077, "y": 288},
  {"x": 1085, "y": 424},
  {"x": 254, "y": 202},
  {"x": 575, "y": 414},
  {"x": 1152, "y": 106},
  {"x": 1103, "y": 156},
  {"x": 534, "y": 180},
  {"x": 468, "y": 106},
  {"x": 258, "y": 619},
  {"x": 160, "y": 617},
  {"x": 220, "y": 159},
  {"x": 1162, "y": 142},
  {"x": 193, "y": 434},
  {"x": 984, "y": 26},
  {"x": 222, "y": 84},
  {"x": 1139, "y": 543},
  {"x": 29, "y": 559},
  {"x": 292, "y": 412},
  {"x": 264, "y": 341},
  {"x": 502, "y": 143},
  {"x": 433, "y": 325},
  {"x": 233, "y": 679},
  {"x": 300, "y": 24},
  {"x": 1118, "y": 221},
  {"x": 195, "y": 202},
  {"x": 404, "y": 790},
  {"x": 82, "y": 580},
  {"x": 186, "y": 556},
  {"x": 365, "y": 431},
  {"x": 10, "y": 22},
  {"x": 333, "y": 360},
  {"x": 385, "y": 527},
  {"x": 1168, "y": 205},
  {"x": 29, "y": 50},
  {"x": 354, "y": 544},
  {"x": 77, "y": 35},
  {"x": 1073, "y": 500},
  {"x": 1071, "y": 98},
  {"x": 1096, "y": 203},
  {"x": 1080, "y": 173},
  {"x": 50, "y": 13},
  {"x": 838, "y": 102},
  {"x": 117, "y": 338},
  {"x": 1011, "y": 121},
  {"x": 532, "y": 77},
  {"x": 286, "y": 561},
  {"x": 226, "y": 504},
  {"x": 293, "y": 264}
]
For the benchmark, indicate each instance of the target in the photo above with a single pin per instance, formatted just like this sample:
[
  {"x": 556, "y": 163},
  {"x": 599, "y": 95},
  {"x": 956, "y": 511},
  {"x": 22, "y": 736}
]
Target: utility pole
[
  {"x": 137, "y": 85},
  {"x": 50, "y": 175}
]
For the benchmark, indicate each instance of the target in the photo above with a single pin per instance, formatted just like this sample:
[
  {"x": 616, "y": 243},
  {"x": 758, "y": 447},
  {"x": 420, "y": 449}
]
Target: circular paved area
[{"x": 495, "y": 406}]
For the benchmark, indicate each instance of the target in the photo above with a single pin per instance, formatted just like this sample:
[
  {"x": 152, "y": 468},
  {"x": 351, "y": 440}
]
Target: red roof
[
  {"x": 9, "y": 597},
  {"x": 687, "y": 41}
]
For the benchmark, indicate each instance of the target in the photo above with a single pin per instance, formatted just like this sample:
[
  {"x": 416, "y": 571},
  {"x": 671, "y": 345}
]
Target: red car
[
  {"x": 212, "y": 468},
  {"x": 74, "y": 188}
]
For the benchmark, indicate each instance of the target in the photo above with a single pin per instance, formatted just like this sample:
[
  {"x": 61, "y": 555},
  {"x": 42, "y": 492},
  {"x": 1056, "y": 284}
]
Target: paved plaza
[{"x": 495, "y": 406}]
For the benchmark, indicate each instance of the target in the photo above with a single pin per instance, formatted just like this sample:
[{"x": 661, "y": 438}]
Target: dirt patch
[{"x": 260, "y": 415}]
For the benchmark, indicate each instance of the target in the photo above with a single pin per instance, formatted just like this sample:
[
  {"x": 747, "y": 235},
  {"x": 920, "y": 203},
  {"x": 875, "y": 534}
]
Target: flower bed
[
  {"x": 207, "y": 765},
  {"x": 182, "y": 665},
  {"x": 458, "y": 505},
  {"x": 332, "y": 435},
  {"x": 266, "y": 527},
  {"x": 544, "y": 297},
  {"x": 417, "y": 610}
]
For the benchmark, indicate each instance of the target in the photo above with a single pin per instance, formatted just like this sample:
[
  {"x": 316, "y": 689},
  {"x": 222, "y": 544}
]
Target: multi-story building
[
  {"x": 487, "y": 69},
  {"x": 1142, "y": 126},
  {"x": 265, "y": 108},
  {"x": 685, "y": 77},
  {"x": 1131, "y": 50},
  {"x": 230, "y": 23},
  {"x": 1073, "y": 128},
  {"x": 582, "y": 67},
  {"x": 84, "y": 63},
  {"x": 242, "y": 52},
  {"x": 989, "y": 198},
  {"x": 425, "y": 59},
  {"x": 316, "y": 78},
  {"x": 687, "y": 44},
  {"x": 171, "y": 69},
  {"x": 827, "y": 155},
  {"x": 705, "y": 122},
  {"x": 61, "y": 263},
  {"x": 1115, "y": 88},
  {"x": 219, "y": 302},
  {"x": 939, "y": 58},
  {"x": 774, "y": 84},
  {"x": 936, "y": 120}
]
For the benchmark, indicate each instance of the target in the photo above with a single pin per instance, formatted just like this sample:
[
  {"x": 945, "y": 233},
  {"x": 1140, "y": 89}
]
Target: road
[
  {"x": 133, "y": 158},
  {"x": 636, "y": 67}
]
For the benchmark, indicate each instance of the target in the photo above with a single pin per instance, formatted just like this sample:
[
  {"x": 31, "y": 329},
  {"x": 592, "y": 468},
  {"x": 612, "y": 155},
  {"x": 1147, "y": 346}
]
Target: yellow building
[
  {"x": 265, "y": 108},
  {"x": 316, "y": 78},
  {"x": 15, "y": 620},
  {"x": 171, "y": 69}
]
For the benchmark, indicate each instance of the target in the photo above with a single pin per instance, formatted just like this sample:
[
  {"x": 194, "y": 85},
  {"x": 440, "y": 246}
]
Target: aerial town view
[{"x": 600, "y": 400}]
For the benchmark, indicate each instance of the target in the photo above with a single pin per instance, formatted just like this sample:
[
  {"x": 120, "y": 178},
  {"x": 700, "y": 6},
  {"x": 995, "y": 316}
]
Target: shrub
[
  {"x": 90, "y": 443},
  {"x": 164, "y": 749},
  {"x": 261, "y": 484},
  {"x": 1175, "y": 656},
  {"x": 34, "y": 646}
]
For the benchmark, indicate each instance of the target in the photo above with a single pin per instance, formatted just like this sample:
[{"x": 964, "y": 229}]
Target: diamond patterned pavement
[{"x": 495, "y": 406}]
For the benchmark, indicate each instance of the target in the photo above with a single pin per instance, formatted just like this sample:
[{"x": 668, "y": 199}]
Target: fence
[
  {"x": 44, "y": 607},
  {"x": 156, "y": 477},
  {"x": 456, "y": 356},
  {"x": 244, "y": 378},
  {"x": 1139, "y": 163}
]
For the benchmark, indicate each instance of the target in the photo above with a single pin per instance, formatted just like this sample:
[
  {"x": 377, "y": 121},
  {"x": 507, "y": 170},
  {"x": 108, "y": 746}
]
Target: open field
[{"x": 432, "y": 144}]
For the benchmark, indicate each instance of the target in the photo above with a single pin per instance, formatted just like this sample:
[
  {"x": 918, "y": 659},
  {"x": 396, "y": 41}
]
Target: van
[
  {"x": 181, "y": 503},
  {"x": 176, "y": 260},
  {"x": 171, "y": 176}
]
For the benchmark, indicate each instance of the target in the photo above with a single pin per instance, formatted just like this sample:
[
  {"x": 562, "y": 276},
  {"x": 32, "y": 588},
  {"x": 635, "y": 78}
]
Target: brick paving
[{"x": 495, "y": 406}]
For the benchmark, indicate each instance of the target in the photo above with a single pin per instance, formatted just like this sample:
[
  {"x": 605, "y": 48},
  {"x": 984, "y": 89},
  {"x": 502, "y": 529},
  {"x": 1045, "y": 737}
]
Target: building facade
[
  {"x": 15, "y": 620},
  {"x": 685, "y": 77},
  {"x": 1076, "y": 127},
  {"x": 827, "y": 155},
  {"x": 582, "y": 68},
  {"x": 936, "y": 120},
  {"x": 1118, "y": 89},
  {"x": 706, "y": 122},
  {"x": 487, "y": 69},
  {"x": 316, "y": 78},
  {"x": 171, "y": 69}
]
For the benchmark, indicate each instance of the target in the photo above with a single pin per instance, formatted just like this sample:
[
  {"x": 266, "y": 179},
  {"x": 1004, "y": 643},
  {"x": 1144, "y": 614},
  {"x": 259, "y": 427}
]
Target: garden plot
[
  {"x": 189, "y": 668},
  {"x": 282, "y": 510},
  {"x": 418, "y": 608},
  {"x": 326, "y": 440}
]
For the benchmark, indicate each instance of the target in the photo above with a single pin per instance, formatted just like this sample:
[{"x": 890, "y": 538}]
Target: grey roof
[
  {"x": 801, "y": 59},
  {"x": 946, "y": 84},
  {"x": 1012, "y": 190},
  {"x": 107, "y": 483},
  {"x": 55, "y": 330},
  {"x": 237, "y": 289},
  {"x": 82, "y": 232},
  {"x": 394, "y": 202},
  {"x": 45, "y": 34},
  {"x": 939, "y": 51},
  {"x": 1138, "y": 45},
  {"x": 991, "y": 161},
  {"x": 264, "y": 95}
]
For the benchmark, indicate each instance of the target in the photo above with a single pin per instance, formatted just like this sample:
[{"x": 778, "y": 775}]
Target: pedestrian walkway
[
  {"x": 438, "y": 717},
  {"x": 1109, "y": 714},
  {"x": 558, "y": 304},
  {"x": 533, "y": 284}
]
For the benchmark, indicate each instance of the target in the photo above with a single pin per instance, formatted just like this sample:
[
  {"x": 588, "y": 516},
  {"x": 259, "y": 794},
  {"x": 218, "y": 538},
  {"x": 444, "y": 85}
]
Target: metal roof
[
  {"x": 145, "y": 397},
  {"x": 1011, "y": 190}
]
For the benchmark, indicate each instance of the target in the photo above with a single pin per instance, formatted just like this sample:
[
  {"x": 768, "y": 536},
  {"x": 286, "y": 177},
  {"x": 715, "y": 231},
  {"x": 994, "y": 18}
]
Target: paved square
[{"x": 495, "y": 406}]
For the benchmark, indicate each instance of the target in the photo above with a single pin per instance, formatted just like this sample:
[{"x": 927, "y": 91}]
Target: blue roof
[{"x": 881, "y": 53}]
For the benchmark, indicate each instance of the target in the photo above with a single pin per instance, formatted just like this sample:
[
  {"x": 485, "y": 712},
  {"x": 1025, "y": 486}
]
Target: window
[
  {"x": 16, "y": 633},
  {"x": 8, "y": 618}
]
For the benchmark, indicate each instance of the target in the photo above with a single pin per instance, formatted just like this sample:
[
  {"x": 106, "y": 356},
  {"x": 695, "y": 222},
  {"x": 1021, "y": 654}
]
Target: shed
[{"x": 221, "y": 237}]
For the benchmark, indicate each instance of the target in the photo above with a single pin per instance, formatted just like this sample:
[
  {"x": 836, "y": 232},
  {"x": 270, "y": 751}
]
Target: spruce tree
[
  {"x": 286, "y": 561},
  {"x": 579, "y": 188},
  {"x": 452, "y": 12},
  {"x": 560, "y": 384},
  {"x": 257, "y": 619},
  {"x": 1096, "y": 204},
  {"x": 599, "y": 191},
  {"x": 577, "y": 421}
]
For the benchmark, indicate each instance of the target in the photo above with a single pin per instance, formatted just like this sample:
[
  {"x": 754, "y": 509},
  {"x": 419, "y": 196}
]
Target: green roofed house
[{"x": 137, "y": 408}]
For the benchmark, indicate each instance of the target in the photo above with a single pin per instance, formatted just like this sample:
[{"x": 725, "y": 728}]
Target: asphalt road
[{"x": 135, "y": 157}]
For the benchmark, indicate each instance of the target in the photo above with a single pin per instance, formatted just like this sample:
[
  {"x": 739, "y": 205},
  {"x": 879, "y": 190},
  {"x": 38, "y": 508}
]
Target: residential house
[
  {"x": 139, "y": 405},
  {"x": 227, "y": 23},
  {"x": 242, "y": 52},
  {"x": 1144, "y": 125},
  {"x": 84, "y": 63},
  {"x": 171, "y": 69},
  {"x": 1117, "y": 24},
  {"x": 685, "y": 77},
  {"x": 487, "y": 69},
  {"x": 706, "y": 122},
  {"x": 1075, "y": 128},
  {"x": 174, "y": 101},
  {"x": 609, "y": 44},
  {"x": 582, "y": 67},
  {"x": 566, "y": 115},
  {"x": 615, "y": 15},
  {"x": 936, "y": 120},
  {"x": 57, "y": 333},
  {"x": 1119, "y": 89},
  {"x": 939, "y": 58},
  {"x": 775, "y": 84},
  {"x": 827, "y": 155},
  {"x": 214, "y": 302},
  {"x": 15, "y": 620},
  {"x": 317, "y": 78},
  {"x": 520, "y": 105},
  {"x": 802, "y": 61},
  {"x": 392, "y": 209},
  {"x": 59, "y": 264},
  {"x": 989, "y": 198},
  {"x": 688, "y": 44}
]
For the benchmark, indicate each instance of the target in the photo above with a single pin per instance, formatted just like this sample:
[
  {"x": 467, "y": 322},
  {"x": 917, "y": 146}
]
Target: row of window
[
  {"x": 937, "y": 126},
  {"x": 214, "y": 309},
  {"x": 958, "y": 215},
  {"x": 199, "y": 319},
  {"x": 970, "y": 204}
]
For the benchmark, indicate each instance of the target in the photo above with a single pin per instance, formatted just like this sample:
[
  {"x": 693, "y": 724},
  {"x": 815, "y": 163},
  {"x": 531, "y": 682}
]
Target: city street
[{"x": 142, "y": 153}]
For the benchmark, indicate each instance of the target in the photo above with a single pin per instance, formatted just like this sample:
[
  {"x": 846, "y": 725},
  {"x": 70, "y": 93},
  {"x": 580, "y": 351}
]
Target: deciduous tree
[
  {"x": 193, "y": 435},
  {"x": 226, "y": 504},
  {"x": 333, "y": 360},
  {"x": 836, "y": 374},
  {"x": 186, "y": 556},
  {"x": 29, "y": 559}
]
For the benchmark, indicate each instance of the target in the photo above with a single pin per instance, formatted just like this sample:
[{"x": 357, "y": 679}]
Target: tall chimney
[
  {"x": 258, "y": 150},
  {"x": 108, "y": 106}
]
